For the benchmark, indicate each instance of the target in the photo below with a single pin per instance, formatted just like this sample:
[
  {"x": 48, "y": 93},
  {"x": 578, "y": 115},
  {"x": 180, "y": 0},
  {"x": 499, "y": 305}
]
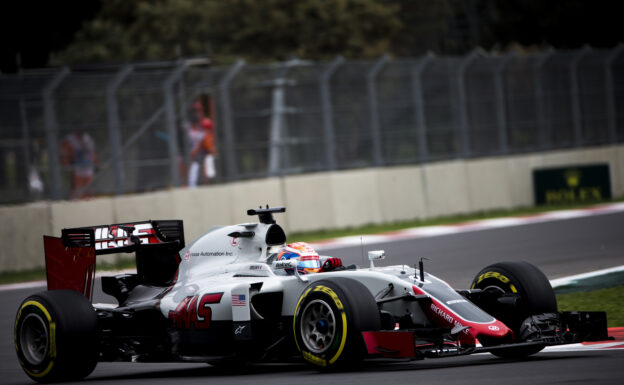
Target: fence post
[
  {"x": 501, "y": 111},
  {"x": 610, "y": 92},
  {"x": 463, "y": 101},
  {"x": 577, "y": 114},
  {"x": 371, "y": 79},
  {"x": 228, "y": 121},
  {"x": 277, "y": 130},
  {"x": 419, "y": 106},
  {"x": 51, "y": 129},
  {"x": 183, "y": 107},
  {"x": 113, "y": 126},
  {"x": 26, "y": 144},
  {"x": 543, "y": 125},
  {"x": 421, "y": 125},
  {"x": 171, "y": 122},
  {"x": 328, "y": 113}
]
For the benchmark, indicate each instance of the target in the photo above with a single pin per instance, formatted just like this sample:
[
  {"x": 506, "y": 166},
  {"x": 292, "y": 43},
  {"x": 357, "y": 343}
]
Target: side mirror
[
  {"x": 289, "y": 264},
  {"x": 285, "y": 264},
  {"x": 376, "y": 255}
]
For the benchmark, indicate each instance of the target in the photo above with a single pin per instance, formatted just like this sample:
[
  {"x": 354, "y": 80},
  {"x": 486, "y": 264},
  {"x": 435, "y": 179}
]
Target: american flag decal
[{"x": 238, "y": 300}]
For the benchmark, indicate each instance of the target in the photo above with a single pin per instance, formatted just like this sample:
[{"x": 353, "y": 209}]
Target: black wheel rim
[
  {"x": 318, "y": 326},
  {"x": 34, "y": 339}
]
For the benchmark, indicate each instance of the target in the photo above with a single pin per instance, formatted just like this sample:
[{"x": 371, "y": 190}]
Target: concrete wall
[
  {"x": 314, "y": 201},
  {"x": 20, "y": 233}
]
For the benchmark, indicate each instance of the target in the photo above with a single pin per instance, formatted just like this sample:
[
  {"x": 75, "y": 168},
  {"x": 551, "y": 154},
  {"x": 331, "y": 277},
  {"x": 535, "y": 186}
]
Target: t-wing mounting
[{"x": 266, "y": 215}]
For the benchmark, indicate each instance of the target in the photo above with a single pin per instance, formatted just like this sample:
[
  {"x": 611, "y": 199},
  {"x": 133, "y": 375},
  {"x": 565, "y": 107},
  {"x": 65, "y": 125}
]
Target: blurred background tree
[
  {"x": 35, "y": 34},
  {"x": 265, "y": 30}
]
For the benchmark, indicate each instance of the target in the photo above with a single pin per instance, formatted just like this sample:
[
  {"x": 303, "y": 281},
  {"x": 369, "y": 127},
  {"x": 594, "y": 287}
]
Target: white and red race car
[{"x": 225, "y": 297}]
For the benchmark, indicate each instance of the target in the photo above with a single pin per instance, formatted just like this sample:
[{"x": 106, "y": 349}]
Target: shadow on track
[
  {"x": 143, "y": 372},
  {"x": 179, "y": 371},
  {"x": 469, "y": 361}
]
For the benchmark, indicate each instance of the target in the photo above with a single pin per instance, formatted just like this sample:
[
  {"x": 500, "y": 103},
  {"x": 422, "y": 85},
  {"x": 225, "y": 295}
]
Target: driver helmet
[{"x": 308, "y": 258}]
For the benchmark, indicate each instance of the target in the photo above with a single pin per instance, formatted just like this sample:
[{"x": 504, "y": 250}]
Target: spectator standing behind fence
[
  {"x": 203, "y": 148},
  {"x": 196, "y": 134},
  {"x": 78, "y": 153}
]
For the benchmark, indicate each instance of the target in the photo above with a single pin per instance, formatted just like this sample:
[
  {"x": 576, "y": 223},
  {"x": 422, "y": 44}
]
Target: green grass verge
[
  {"x": 22, "y": 276},
  {"x": 608, "y": 299}
]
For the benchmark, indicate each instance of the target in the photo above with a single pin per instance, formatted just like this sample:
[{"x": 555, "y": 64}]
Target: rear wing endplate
[{"x": 70, "y": 260}]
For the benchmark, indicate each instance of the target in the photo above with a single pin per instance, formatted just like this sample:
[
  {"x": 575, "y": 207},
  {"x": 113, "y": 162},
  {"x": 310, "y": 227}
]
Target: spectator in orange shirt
[{"x": 203, "y": 148}]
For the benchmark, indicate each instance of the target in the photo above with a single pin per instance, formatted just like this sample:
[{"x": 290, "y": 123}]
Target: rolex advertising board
[{"x": 572, "y": 184}]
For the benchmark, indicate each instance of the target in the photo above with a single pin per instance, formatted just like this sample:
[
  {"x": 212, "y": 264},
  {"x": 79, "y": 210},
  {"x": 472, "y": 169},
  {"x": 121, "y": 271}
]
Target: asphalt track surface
[{"x": 559, "y": 248}]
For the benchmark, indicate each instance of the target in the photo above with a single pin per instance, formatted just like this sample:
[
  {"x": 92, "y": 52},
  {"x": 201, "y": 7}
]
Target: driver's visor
[{"x": 309, "y": 263}]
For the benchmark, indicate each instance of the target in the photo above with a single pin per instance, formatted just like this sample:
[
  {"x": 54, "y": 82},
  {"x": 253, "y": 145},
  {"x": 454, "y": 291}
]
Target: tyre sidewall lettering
[
  {"x": 42, "y": 369},
  {"x": 499, "y": 277}
]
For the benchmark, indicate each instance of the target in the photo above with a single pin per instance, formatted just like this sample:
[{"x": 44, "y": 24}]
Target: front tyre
[
  {"x": 56, "y": 336},
  {"x": 329, "y": 320},
  {"x": 533, "y": 293}
]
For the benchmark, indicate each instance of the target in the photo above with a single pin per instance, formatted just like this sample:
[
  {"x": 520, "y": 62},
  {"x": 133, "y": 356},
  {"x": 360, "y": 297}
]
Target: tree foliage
[
  {"x": 140, "y": 30},
  {"x": 270, "y": 30},
  {"x": 264, "y": 30}
]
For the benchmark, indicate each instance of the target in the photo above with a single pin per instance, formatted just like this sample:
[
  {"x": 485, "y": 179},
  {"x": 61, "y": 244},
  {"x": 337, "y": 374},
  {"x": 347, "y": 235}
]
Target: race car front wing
[{"x": 420, "y": 343}]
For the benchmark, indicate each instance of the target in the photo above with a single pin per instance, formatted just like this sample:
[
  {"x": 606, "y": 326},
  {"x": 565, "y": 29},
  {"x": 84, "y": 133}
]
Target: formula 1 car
[{"x": 226, "y": 298}]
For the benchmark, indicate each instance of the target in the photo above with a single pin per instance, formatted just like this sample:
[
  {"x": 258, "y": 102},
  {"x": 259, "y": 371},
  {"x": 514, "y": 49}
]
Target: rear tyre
[
  {"x": 534, "y": 293},
  {"x": 56, "y": 336},
  {"x": 329, "y": 320}
]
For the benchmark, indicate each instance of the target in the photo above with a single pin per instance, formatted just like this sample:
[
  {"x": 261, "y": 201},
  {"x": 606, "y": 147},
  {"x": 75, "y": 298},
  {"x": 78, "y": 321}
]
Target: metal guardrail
[{"x": 300, "y": 116}]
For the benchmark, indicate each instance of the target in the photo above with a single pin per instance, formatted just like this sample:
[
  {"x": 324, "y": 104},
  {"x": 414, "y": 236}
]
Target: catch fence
[{"x": 300, "y": 116}]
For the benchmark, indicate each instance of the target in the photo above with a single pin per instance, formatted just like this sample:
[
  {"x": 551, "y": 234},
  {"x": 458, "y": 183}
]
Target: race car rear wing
[
  {"x": 124, "y": 237},
  {"x": 70, "y": 260}
]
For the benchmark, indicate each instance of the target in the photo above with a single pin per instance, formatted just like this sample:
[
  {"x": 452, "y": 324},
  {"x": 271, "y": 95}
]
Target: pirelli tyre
[
  {"x": 328, "y": 321},
  {"x": 532, "y": 295},
  {"x": 56, "y": 336}
]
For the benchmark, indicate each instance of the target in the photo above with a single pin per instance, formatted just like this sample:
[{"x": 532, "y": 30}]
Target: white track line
[
  {"x": 22, "y": 285},
  {"x": 573, "y": 278},
  {"x": 581, "y": 347}
]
